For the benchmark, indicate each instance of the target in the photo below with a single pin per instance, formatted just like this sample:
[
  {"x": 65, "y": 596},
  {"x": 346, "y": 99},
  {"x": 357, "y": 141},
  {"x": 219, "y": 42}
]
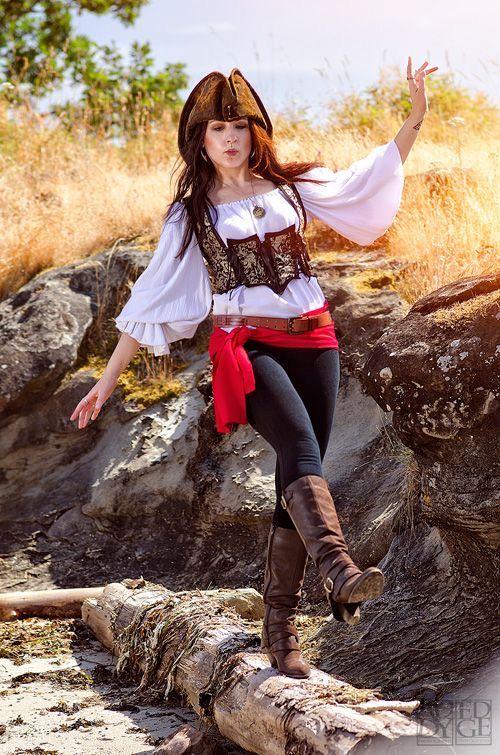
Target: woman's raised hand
[
  {"x": 416, "y": 83},
  {"x": 91, "y": 404}
]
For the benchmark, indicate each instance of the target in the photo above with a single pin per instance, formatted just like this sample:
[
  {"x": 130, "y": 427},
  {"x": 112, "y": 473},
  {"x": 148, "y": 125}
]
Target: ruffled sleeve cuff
[
  {"x": 148, "y": 334},
  {"x": 170, "y": 298},
  {"x": 157, "y": 336}
]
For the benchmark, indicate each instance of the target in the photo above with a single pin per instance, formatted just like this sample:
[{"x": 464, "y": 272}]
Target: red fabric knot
[{"x": 232, "y": 373}]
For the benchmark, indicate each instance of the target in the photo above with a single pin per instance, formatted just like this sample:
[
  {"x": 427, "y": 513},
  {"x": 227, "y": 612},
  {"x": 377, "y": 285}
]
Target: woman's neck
[{"x": 235, "y": 178}]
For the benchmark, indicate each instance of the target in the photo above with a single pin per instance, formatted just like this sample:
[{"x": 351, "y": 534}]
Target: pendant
[{"x": 259, "y": 211}]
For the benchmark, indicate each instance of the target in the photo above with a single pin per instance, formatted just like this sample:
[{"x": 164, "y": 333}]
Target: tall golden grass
[
  {"x": 66, "y": 194},
  {"x": 448, "y": 224}
]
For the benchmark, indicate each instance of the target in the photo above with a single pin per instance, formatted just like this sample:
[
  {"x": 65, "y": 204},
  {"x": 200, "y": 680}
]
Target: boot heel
[
  {"x": 272, "y": 659},
  {"x": 346, "y": 612}
]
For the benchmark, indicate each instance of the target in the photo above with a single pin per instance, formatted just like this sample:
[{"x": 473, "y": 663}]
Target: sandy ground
[
  {"x": 69, "y": 703},
  {"x": 59, "y": 696}
]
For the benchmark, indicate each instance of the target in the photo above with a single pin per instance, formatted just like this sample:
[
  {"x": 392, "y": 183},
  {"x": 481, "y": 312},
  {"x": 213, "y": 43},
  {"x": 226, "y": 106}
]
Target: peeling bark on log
[
  {"x": 193, "y": 644},
  {"x": 50, "y": 604},
  {"x": 187, "y": 741},
  {"x": 246, "y": 601}
]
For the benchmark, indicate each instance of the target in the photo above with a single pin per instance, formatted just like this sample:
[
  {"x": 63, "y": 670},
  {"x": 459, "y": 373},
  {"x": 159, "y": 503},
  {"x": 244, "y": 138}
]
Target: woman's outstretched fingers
[
  {"x": 97, "y": 409},
  {"x": 90, "y": 405},
  {"x": 79, "y": 407},
  {"x": 84, "y": 417},
  {"x": 77, "y": 410},
  {"x": 83, "y": 410},
  {"x": 419, "y": 70}
]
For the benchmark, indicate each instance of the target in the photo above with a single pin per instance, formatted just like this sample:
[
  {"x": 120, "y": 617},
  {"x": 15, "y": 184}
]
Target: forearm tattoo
[{"x": 417, "y": 126}]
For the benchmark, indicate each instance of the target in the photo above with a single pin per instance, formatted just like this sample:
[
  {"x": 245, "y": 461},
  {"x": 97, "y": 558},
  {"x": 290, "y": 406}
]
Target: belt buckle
[{"x": 311, "y": 324}]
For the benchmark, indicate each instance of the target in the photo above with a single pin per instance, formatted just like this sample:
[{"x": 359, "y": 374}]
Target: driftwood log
[
  {"x": 63, "y": 603},
  {"x": 50, "y": 604},
  {"x": 195, "y": 645},
  {"x": 187, "y": 740}
]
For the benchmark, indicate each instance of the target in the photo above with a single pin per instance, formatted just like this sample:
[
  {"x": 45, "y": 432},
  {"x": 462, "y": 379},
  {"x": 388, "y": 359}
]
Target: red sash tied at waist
[{"x": 232, "y": 373}]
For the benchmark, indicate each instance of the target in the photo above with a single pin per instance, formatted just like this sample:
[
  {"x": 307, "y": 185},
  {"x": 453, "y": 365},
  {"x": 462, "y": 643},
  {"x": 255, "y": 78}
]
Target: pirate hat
[{"x": 217, "y": 97}]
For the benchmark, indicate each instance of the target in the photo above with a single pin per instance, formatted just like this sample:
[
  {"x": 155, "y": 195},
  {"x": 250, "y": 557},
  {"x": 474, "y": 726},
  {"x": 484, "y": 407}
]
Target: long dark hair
[{"x": 198, "y": 177}]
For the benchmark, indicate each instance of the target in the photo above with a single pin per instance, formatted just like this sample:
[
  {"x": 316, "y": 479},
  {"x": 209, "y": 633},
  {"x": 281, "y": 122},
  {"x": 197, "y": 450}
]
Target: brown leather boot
[
  {"x": 312, "y": 510},
  {"x": 284, "y": 576}
]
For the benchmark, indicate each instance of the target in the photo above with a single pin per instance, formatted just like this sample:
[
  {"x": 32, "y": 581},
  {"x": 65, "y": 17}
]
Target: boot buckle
[
  {"x": 283, "y": 500},
  {"x": 328, "y": 584}
]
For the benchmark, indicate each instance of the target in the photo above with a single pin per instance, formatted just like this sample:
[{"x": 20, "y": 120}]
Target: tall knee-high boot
[
  {"x": 311, "y": 508},
  {"x": 284, "y": 576}
]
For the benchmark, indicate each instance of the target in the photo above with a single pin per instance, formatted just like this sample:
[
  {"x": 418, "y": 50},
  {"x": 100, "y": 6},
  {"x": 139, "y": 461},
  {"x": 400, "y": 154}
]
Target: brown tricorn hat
[{"x": 217, "y": 97}]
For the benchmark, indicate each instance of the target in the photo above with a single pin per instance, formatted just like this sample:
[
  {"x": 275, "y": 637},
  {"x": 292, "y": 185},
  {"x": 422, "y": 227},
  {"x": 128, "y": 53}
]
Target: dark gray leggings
[{"x": 292, "y": 407}]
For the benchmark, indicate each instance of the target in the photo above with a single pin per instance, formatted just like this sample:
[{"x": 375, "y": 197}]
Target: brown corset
[{"x": 274, "y": 262}]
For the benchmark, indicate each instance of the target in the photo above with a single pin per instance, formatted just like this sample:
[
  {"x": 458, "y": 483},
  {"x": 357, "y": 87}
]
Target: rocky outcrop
[
  {"x": 157, "y": 488},
  {"x": 438, "y": 371},
  {"x": 435, "y": 624},
  {"x": 158, "y": 492},
  {"x": 53, "y": 319}
]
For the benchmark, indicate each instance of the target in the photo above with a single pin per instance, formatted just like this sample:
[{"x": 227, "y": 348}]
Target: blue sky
[{"x": 297, "y": 52}]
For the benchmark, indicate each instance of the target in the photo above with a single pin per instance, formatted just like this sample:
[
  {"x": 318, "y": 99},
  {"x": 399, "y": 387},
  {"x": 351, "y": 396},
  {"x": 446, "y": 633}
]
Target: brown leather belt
[{"x": 291, "y": 325}]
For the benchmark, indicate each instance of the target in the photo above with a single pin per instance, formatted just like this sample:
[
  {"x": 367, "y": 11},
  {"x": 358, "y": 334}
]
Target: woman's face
[{"x": 223, "y": 135}]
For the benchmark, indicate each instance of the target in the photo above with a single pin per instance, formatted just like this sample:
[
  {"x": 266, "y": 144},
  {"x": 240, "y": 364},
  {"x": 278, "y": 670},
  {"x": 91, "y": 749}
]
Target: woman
[{"x": 233, "y": 238}]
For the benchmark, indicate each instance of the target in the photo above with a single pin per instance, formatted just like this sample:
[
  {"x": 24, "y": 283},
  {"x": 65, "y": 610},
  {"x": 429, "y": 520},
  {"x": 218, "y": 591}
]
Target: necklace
[{"x": 257, "y": 210}]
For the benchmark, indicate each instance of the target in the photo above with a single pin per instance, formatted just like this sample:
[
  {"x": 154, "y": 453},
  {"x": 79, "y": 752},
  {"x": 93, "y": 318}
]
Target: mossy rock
[
  {"x": 329, "y": 257},
  {"x": 143, "y": 392},
  {"x": 370, "y": 281},
  {"x": 468, "y": 310}
]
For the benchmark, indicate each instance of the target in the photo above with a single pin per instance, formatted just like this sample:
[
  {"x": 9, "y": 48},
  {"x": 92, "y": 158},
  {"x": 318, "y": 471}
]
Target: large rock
[
  {"x": 435, "y": 626},
  {"x": 438, "y": 371},
  {"x": 44, "y": 326},
  {"x": 361, "y": 290},
  {"x": 156, "y": 490},
  {"x": 159, "y": 492}
]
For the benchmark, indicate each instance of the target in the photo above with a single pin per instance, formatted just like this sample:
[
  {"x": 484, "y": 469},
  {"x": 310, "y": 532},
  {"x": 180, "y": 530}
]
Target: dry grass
[
  {"x": 63, "y": 198},
  {"x": 24, "y": 639},
  {"x": 456, "y": 314},
  {"x": 66, "y": 196},
  {"x": 448, "y": 224}
]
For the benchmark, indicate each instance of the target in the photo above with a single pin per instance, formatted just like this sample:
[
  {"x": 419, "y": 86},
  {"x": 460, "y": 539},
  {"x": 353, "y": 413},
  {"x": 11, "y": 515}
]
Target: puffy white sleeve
[
  {"x": 359, "y": 202},
  {"x": 171, "y": 297}
]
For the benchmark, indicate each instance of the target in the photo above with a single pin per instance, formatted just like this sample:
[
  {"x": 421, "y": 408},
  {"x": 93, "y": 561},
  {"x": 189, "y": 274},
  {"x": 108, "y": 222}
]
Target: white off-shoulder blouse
[{"x": 172, "y": 297}]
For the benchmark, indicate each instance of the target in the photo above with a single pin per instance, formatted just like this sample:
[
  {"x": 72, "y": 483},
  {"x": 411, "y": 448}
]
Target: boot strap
[
  {"x": 339, "y": 563},
  {"x": 284, "y": 643},
  {"x": 350, "y": 570}
]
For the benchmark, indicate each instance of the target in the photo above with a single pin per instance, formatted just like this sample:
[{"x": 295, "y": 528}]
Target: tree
[
  {"x": 39, "y": 49},
  {"x": 36, "y": 36},
  {"x": 118, "y": 97}
]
